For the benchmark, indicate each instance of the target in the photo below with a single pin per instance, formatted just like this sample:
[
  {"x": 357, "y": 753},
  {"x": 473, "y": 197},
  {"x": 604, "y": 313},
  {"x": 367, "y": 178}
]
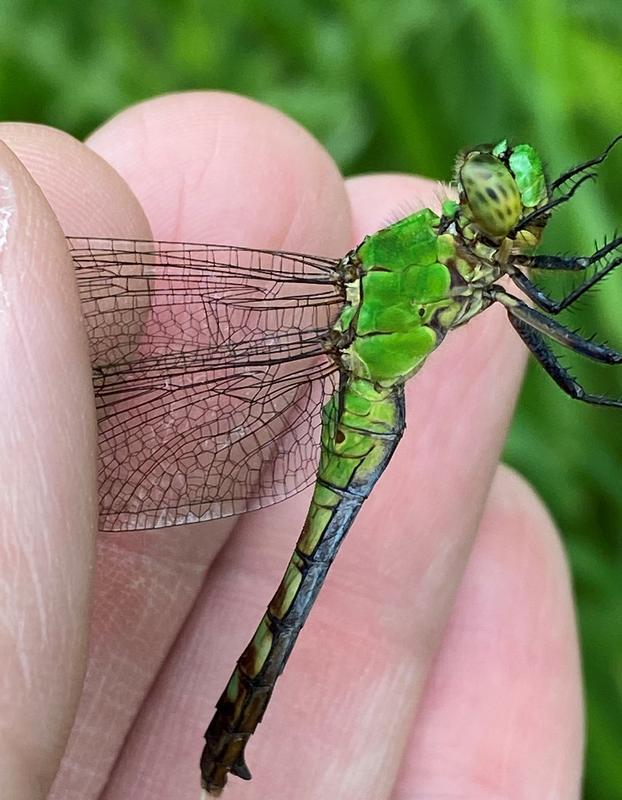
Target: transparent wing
[{"x": 210, "y": 370}]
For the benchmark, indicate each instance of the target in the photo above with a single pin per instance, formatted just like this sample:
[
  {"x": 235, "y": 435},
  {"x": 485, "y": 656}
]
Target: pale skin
[{"x": 441, "y": 659}]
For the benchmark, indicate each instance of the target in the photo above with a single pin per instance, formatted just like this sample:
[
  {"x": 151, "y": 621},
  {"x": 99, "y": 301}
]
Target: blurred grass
[{"x": 402, "y": 85}]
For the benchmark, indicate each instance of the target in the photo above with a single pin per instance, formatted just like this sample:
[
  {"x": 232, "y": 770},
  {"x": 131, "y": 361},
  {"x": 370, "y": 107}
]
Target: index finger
[{"x": 262, "y": 184}]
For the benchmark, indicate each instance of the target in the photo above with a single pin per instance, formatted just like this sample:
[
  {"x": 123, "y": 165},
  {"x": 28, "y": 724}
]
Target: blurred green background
[{"x": 402, "y": 85}]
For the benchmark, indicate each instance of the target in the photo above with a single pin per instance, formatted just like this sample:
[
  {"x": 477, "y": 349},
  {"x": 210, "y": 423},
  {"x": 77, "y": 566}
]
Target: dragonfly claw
[{"x": 240, "y": 769}]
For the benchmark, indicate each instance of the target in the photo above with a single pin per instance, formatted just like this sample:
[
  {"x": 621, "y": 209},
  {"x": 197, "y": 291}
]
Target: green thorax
[
  {"x": 411, "y": 282},
  {"x": 390, "y": 319}
]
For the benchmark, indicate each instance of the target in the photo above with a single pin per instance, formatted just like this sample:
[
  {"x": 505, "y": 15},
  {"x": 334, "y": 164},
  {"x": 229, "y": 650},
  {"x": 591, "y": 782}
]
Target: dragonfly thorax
[{"x": 401, "y": 301}]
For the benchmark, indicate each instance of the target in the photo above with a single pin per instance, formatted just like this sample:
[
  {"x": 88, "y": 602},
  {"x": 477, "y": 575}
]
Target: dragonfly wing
[{"x": 210, "y": 370}]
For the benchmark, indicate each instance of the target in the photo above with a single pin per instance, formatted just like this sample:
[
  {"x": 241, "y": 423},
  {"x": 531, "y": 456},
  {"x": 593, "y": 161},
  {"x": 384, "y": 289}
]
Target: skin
[{"x": 441, "y": 659}]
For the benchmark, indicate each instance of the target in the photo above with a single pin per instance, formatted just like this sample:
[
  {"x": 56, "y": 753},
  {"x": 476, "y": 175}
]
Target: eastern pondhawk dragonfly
[{"x": 227, "y": 379}]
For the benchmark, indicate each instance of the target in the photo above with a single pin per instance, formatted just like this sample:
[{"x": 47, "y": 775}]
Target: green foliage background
[{"x": 402, "y": 85}]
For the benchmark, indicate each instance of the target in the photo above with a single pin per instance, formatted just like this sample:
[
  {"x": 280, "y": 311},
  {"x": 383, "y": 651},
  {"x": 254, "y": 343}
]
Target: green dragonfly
[{"x": 228, "y": 379}]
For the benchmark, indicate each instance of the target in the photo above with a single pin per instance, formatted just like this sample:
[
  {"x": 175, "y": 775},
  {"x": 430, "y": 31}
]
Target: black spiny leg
[
  {"x": 539, "y": 215},
  {"x": 551, "y": 364},
  {"x": 531, "y": 324},
  {"x": 565, "y": 176},
  {"x": 573, "y": 263},
  {"x": 549, "y": 327}
]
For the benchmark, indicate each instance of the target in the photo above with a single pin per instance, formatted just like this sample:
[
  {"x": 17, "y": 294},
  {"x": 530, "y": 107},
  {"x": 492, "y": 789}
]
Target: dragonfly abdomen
[{"x": 362, "y": 425}]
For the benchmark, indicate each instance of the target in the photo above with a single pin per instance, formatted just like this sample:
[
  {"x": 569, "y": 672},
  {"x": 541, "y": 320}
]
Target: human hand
[{"x": 441, "y": 658}]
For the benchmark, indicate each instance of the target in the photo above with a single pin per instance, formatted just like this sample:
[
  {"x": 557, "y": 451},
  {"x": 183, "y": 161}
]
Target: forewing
[{"x": 210, "y": 370}]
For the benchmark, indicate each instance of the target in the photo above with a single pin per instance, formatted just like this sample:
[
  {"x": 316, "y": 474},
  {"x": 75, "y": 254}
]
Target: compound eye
[{"x": 491, "y": 193}]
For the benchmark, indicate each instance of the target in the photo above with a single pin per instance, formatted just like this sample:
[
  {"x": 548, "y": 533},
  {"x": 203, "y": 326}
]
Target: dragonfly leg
[
  {"x": 565, "y": 176},
  {"x": 551, "y": 364},
  {"x": 572, "y": 263},
  {"x": 549, "y": 327},
  {"x": 540, "y": 215},
  {"x": 531, "y": 324},
  {"x": 357, "y": 444}
]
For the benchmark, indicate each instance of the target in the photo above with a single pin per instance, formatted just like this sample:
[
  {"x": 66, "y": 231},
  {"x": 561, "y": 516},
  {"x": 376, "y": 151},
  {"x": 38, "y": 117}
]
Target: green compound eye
[{"x": 493, "y": 198}]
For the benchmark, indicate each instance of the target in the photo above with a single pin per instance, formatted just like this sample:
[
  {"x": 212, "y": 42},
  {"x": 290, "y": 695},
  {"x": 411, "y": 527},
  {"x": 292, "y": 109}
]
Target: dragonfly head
[{"x": 498, "y": 187}]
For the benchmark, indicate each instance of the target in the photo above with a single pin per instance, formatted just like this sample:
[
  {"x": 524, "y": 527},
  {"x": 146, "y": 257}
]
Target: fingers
[
  {"x": 361, "y": 662},
  {"x": 209, "y": 166},
  {"x": 48, "y": 492},
  {"x": 501, "y": 715},
  {"x": 206, "y": 166}
]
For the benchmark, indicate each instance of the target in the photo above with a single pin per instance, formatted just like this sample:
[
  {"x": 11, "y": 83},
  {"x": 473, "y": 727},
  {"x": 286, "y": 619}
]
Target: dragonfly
[{"x": 227, "y": 379}]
